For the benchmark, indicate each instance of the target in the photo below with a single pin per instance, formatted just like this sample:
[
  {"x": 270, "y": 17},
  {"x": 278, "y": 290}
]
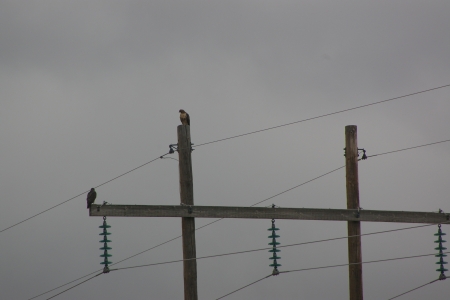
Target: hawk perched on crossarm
[
  {"x": 91, "y": 197},
  {"x": 184, "y": 117}
]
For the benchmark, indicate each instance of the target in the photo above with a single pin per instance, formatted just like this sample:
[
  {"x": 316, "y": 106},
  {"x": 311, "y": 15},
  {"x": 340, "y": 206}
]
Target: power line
[
  {"x": 246, "y": 251},
  {"x": 75, "y": 286},
  {"x": 83, "y": 193},
  {"x": 409, "y": 148},
  {"x": 304, "y": 120},
  {"x": 266, "y": 248},
  {"x": 325, "y": 115},
  {"x": 340, "y": 265},
  {"x": 244, "y": 287},
  {"x": 222, "y": 219},
  {"x": 231, "y": 253},
  {"x": 250, "y": 206},
  {"x": 359, "y": 263},
  {"x": 291, "y": 123},
  {"x": 298, "y": 186},
  {"x": 414, "y": 289},
  {"x": 64, "y": 285},
  {"x": 254, "y": 250}
]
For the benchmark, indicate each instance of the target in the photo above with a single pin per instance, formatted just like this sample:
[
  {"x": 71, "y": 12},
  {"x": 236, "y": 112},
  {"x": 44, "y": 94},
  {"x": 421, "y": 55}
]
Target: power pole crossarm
[{"x": 242, "y": 212}]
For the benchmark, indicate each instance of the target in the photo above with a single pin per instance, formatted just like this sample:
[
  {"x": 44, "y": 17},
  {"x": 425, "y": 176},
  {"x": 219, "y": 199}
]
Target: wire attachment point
[
  {"x": 173, "y": 148},
  {"x": 364, "y": 154}
]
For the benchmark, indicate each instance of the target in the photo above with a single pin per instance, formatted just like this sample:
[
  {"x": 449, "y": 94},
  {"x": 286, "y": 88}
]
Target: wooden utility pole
[
  {"x": 354, "y": 227},
  {"x": 187, "y": 223}
]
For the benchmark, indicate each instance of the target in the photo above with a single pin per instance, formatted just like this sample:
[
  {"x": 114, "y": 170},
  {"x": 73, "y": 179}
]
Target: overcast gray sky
[{"x": 91, "y": 89}]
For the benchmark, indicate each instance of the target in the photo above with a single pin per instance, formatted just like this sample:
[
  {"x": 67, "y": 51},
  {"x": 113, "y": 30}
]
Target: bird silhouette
[{"x": 91, "y": 197}]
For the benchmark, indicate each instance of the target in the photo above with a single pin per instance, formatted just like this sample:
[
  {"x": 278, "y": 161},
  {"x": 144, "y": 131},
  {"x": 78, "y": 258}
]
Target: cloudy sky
[{"x": 91, "y": 89}]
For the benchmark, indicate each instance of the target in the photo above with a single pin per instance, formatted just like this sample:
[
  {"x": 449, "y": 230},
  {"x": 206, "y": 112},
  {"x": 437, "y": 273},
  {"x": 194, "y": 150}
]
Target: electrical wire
[
  {"x": 253, "y": 250},
  {"x": 232, "y": 253},
  {"x": 304, "y": 120},
  {"x": 223, "y": 218},
  {"x": 251, "y": 206},
  {"x": 268, "y": 248},
  {"x": 198, "y": 228},
  {"x": 359, "y": 263},
  {"x": 297, "y": 186},
  {"x": 409, "y": 148},
  {"x": 63, "y": 285},
  {"x": 325, "y": 115},
  {"x": 111, "y": 265},
  {"x": 75, "y": 286},
  {"x": 291, "y": 123},
  {"x": 83, "y": 193},
  {"x": 414, "y": 289},
  {"x": 244, "y": 287},
  {"x": 340, "y": 265},
  {"x": 162, "y": 156}
]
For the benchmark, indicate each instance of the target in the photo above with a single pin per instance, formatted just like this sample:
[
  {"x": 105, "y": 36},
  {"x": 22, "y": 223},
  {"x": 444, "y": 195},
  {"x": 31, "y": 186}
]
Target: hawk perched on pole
[
  {"x": 184, "y": 117},
  {"x": 91, "y": 197}
]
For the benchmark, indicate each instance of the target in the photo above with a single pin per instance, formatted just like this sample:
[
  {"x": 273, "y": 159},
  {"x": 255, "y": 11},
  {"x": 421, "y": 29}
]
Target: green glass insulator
[
  {"x": 274, "y": 250},
  {"x": 440, "y": 248},
  {"x": 105, "y": 241},
  {"x": 441, "y": 269},
  {"x": 273, "y": 229},
  {"x": 104, "y": 226},
  {"x": 441, "y": 255},
  {"x": 440, "y": 241},
  {"x": 273, "y": 236},
  {"x": 275, "y": 265},
  {"x": 105, "y": 233},
  {"x": 105, "y": 248},
  {"x": 440, "y": 234},
  {"x": 106, "y": 262},
  {"x": 105, "y": 255},
  {"x": 273, "y": 243},
  {"x": 276, "y": 257}
]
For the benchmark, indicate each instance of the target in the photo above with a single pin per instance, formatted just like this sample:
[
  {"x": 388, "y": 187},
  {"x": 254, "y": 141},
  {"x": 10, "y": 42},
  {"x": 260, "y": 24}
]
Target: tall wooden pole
[
  {"x": 354, "y": 227},
  {"x": 187, "y": 224}
]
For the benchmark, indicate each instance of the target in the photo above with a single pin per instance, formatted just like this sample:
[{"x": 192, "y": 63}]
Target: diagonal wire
[
  {"x": 251, "y": 206},
  {"x": 325, "y": 115},
  {"x": 414, "y": 289},
  {"x": 297, "y": 186},
  {"x": 359, "y": 263},
  {"x": 198, "y": 228},
  {"x": 75, "y": 286},
  {"x": 333, "y": 266},
  {"x": 264, "y": 249},
  {"x": 64, "y": 285},
  {"x": 409, "y": 148},
  {"x": 83, "y": 193},
  {"x": 244, "y": 287},
  {"x": 111, "y": 265},
  {"x": 232, "y": 253},
  {"x": 304, "y": 120}
]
